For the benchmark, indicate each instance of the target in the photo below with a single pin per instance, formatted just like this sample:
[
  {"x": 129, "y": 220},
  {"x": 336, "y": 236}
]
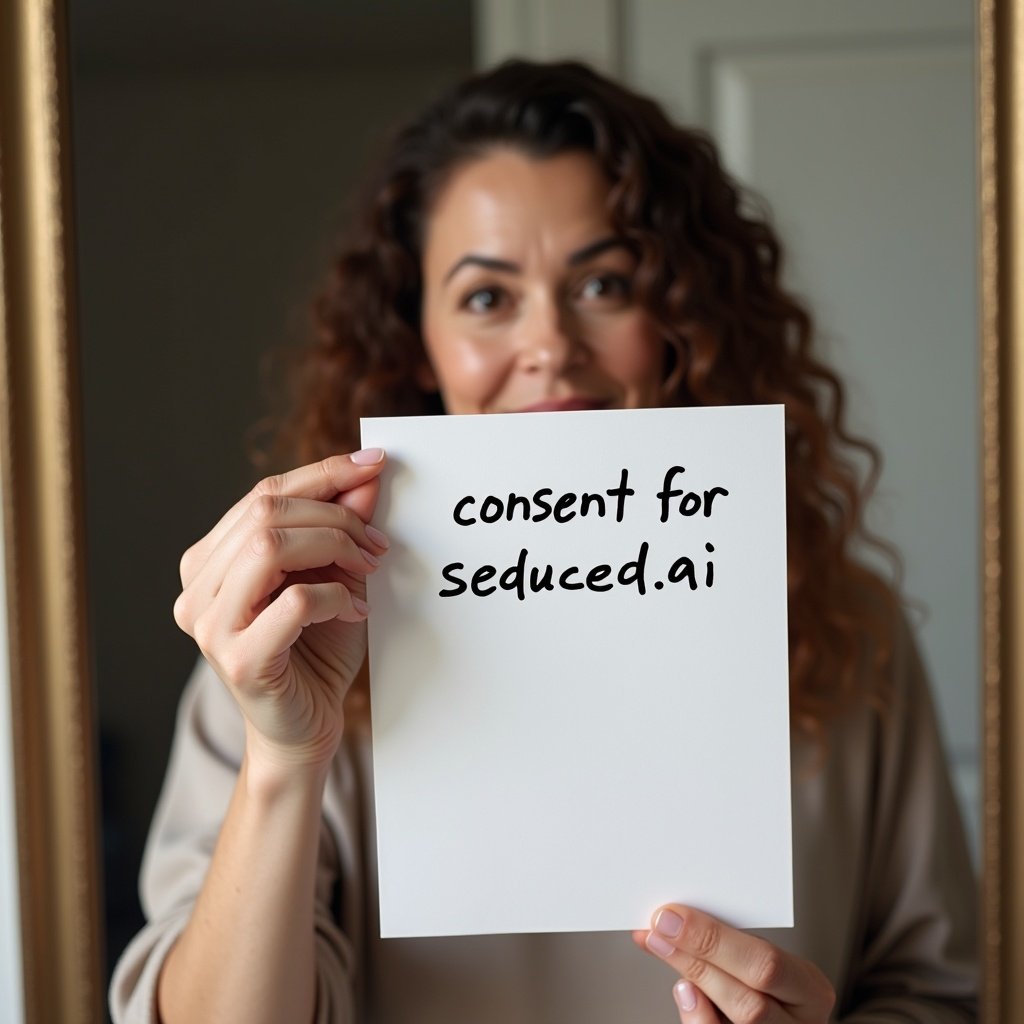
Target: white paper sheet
[{"x": 571, "y": 759}]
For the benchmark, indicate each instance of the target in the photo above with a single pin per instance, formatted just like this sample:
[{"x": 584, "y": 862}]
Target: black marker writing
[
  {"x": 538, "y": 507},
  {"x": 522, "y": 578},
  {"x": 691, "y": 502}
]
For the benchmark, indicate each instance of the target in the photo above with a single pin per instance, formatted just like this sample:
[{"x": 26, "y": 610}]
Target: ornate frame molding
[
  {"x": 41, "y": 466},
  {"x": 1001, "y": 183}
]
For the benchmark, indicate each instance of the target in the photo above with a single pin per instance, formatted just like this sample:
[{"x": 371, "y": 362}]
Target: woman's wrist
[{"x": 271, "y": 771}]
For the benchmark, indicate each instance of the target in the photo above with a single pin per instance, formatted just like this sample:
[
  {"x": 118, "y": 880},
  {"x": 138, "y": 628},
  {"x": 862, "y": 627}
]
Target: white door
[{"x": 856, "y": 122}]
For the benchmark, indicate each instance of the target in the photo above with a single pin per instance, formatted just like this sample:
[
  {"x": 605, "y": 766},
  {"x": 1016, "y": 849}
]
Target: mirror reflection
[{"x": 215, "y": 165}]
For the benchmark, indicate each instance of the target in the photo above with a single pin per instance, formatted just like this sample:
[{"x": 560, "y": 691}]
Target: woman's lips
[{"x": 575, "y": 404}]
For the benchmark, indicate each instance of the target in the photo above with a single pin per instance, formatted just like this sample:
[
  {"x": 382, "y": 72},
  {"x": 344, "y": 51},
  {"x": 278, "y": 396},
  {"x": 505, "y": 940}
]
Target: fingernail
[
  {"x": 656, "y": 944},
  {"x": 360, "y": 606},
  {"x": 377, "y": 537},
  {"x": 669, "y": 923},
  {"x": 367, "y": 456},
  {"x": 685, "y": 996},
  {"x": 372, "y": 559}
]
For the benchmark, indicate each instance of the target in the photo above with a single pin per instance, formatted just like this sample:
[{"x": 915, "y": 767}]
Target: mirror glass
[{"x": 213, "y": 159}]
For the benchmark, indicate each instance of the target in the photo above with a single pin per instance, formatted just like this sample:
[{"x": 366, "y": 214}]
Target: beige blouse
[{"x": 884, "y": 890}]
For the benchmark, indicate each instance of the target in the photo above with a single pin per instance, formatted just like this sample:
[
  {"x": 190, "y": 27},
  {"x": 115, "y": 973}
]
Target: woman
[{"x": 538, "y": 239}]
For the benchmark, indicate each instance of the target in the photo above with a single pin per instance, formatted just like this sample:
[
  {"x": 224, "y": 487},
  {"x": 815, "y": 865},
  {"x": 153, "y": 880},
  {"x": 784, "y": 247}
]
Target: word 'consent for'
[{"x": 523, "y": 578}]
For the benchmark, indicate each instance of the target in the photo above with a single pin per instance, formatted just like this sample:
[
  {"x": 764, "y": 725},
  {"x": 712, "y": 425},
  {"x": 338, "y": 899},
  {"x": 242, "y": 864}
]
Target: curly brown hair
[{"x": 708, "y": 274}]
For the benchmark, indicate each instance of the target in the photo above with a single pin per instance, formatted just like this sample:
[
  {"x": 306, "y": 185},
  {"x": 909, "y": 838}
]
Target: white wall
[{"x": 11, "y": 996}]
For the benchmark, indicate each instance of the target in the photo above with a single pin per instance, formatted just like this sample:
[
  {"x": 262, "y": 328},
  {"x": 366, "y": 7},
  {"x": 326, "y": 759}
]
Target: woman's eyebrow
[
  {"x": 579, "y": 256},
  {"x": 596, "y": 248},
  {"x": 487, "y": 262}
]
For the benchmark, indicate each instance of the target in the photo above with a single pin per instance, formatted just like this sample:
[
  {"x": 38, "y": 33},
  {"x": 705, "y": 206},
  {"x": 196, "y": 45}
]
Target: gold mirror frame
[
  {"x": 41, "y": 484},
  {"x": 43, "y": 519}
]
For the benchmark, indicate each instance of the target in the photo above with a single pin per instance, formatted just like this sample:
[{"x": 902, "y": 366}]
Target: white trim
[
  {"x": 12, "y": 1007},
  {"x": 587, "y": 30}
]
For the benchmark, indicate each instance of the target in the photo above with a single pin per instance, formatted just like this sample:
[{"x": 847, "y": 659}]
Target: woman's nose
[{"x": 552, "y": 342}]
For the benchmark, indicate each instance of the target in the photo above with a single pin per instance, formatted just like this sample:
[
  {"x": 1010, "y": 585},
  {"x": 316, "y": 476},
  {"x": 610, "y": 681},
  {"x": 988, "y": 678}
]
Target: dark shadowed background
[{"x": 215, "y": 146}]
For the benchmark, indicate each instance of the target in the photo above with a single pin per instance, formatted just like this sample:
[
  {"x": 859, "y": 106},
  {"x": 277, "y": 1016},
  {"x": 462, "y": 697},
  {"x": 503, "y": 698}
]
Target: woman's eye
[
  {"x": 483, "y": 300},
  {"x": 605, "y": 286}
]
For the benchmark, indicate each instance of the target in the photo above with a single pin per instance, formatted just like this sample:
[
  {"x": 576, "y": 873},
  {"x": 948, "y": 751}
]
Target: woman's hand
[
  {"x": 730, "y": 975},
  {"x": 275, "y": 597}
]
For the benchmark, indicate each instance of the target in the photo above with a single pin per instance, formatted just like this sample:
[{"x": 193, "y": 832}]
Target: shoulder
[{"x": 889, "y": 730}]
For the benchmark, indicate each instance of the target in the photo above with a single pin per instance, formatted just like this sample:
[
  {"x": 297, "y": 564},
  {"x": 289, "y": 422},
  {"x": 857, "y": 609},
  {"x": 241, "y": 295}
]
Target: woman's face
[{"x": 527, "y": 292}]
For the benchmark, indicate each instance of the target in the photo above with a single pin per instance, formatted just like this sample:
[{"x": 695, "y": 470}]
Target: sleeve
[
  {"x": 206, "y": 755},
  {"x": 918, "y": 955}
]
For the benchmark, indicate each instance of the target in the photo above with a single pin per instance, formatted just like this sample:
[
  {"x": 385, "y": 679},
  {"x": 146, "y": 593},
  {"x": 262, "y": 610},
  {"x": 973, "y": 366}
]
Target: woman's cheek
[
  {"x": 632, "y": 355},
  {"x": 470, "y": 373}
]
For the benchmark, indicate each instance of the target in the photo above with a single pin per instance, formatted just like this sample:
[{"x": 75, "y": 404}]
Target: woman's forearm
[{"x": 248, "y": 951}]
